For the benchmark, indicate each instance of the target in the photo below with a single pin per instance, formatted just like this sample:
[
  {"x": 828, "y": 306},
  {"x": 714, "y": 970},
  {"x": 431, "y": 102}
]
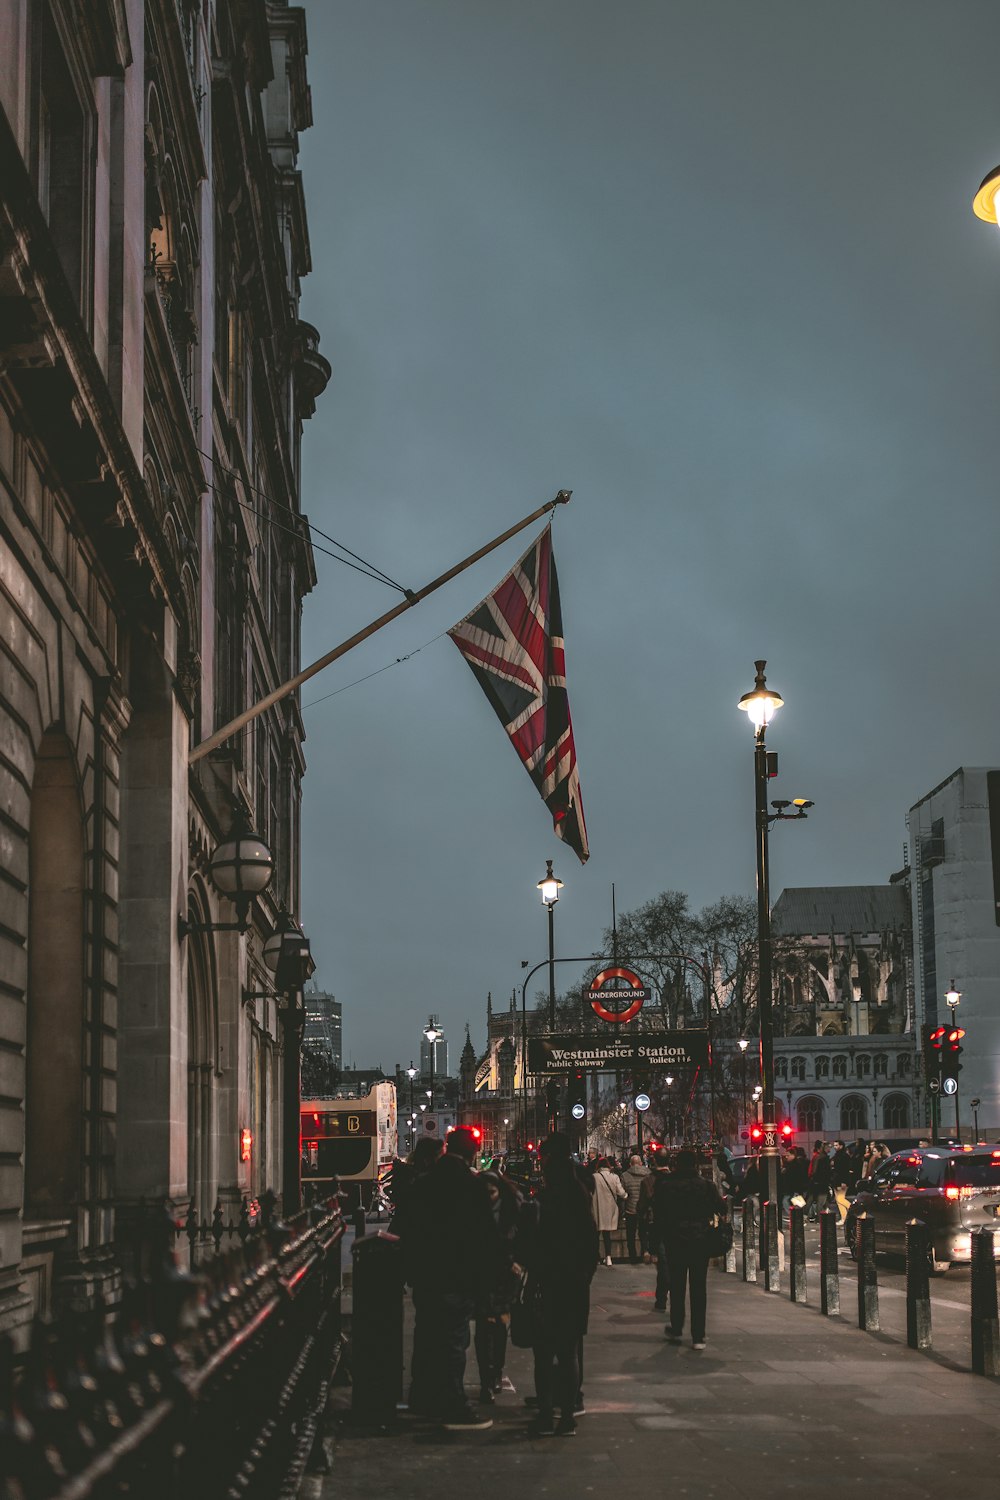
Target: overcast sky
[{"x": 713, "y": 267}]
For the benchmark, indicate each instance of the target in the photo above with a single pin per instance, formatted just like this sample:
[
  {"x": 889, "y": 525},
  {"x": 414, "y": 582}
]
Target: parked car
[{"x": 952, "y": 1191}]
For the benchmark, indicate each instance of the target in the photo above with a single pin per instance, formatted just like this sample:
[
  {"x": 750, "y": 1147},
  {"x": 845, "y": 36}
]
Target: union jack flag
[{"x": 513, "y": 641}]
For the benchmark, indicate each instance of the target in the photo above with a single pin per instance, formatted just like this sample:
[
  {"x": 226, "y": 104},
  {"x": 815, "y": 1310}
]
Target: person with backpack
[{"x": 684, "y": 1207}]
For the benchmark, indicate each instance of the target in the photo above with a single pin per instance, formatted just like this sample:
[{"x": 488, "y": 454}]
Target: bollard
[
  {"x": 750, "y": 1239},
  {"x": 377, "y": 1330},
  {"x": 918, "y": 1284},
  {"x": 360, "y": 1222},
  {"x": 797, "y": 1241},
  {"x": 829, "y": 1266},
  {"x": 769, "y": 1237},
  {"x": 985, "y": 1333},
  {"x": 867, "y": 1275}
]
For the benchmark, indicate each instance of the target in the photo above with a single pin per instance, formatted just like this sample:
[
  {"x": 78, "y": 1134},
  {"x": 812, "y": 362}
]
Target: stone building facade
[
  {"x": 154, "y": 377},
  {"x": 845, "y": 1051}
]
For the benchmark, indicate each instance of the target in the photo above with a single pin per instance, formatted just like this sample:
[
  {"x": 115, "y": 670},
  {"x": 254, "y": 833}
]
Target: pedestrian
[
  {"x": 820, "y": 1180},
  {"x": 632, "y": 1180},
  {"x": 608, "y": 1194},
  {"x": 448, "y": 1235},
  {"x": 841, "y": 1177},
  {"x": 661, "y": 1169},
  {"x": 493, "y": 1307},
  {"x": 794, "y": 1177},
  {"x": 593, "y": 1159},
  {"x": 684, "y": 1206},
  {"x": 558, "y": 1247}
]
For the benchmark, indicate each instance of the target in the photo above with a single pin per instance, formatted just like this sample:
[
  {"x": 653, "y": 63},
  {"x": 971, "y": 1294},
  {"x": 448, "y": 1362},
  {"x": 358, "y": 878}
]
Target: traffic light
[
  {"x": 756, "y": 1135},
  {"x": 787, "y": 1131},
  {"x": 951, "y": 1051},
  {"x": 576, "y": 1088},
  {"x": 933, "y": 1044},
  {"x": 552, "y": 1094}
]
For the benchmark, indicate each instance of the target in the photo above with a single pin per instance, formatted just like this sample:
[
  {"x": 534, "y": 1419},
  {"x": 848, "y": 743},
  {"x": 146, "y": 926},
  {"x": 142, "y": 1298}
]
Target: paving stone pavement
[{"x": 782, "y": 1401}]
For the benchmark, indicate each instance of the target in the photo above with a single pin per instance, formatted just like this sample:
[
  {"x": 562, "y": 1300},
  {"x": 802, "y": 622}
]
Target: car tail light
[{"x": 953, "y": 1192}]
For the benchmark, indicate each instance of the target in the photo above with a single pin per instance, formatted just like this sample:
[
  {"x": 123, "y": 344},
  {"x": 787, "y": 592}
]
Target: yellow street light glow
[{"x": 984, "y": 204}]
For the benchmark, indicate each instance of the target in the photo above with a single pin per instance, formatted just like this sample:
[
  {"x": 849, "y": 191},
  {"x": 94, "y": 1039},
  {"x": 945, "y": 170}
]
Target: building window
[
  {"x": 781, "y": 1067},
  {"x": 881, "y": 1065},
  {"x": 863, "y": 1065},
  {"x": 904, "y": 1065},
  {"x": 63, "y": 171},
  {"x": 809, "y": 1115},
  {"x": 853, "y": 1113},
  {"x": 798, "y": 1068},
  {"x": 822, "y": 1067},
  {"x": 896, "y": 1112},
  {"x": 840, "y": 1067}
]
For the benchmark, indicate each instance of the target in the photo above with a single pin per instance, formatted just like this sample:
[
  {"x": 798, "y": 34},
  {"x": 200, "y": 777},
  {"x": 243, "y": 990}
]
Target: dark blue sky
[{"x": 713, "y": 267}]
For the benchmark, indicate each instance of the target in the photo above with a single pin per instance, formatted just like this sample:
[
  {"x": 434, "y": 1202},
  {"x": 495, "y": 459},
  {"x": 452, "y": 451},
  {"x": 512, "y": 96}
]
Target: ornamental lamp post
[
  {"x": 241, "y": 867},
  {"x": 287, "y": 954},
  {"x": 953, "y": 999},
  {"x": 743, "y": 1045},
  {"x": 760, "y": 705},
  {"x": 550, "y": 886},
  {"x": 433, "y": 1035}
]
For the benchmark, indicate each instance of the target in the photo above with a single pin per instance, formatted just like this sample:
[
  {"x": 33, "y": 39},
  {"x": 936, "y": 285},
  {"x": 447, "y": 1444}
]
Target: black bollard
[
  {"x": 772, "y": 1281},
  {"x": 376, "y": 1330},
  {"x": 918, "y": 1284},
  {"x": 829, "y": 1268},
  {"x": 867, "y": 1275},
  {"x": 360, "y": 1221},
  {"x": 797, "y": 1243},
  {"x": 750, "y": 1239},
  {"x": 985, "y": 1333}
]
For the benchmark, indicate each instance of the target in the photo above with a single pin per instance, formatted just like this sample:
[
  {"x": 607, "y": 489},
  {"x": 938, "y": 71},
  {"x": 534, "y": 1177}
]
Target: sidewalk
[{"x": 782, "y": 1401}]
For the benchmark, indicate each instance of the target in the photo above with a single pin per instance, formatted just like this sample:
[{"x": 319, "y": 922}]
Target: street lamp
[
  {"x": 241, "y": 868},
  {"x": 506, "y": 1123},
  {"x": 286, "y": 953},
  {"x": 743, "y": 1045},
  {"x": 953, "y": 999},
  {"x": 411, "y": 1073},
  {"x": 550, "y": 886},
  {"x": 669, "y": 1081},
  {"x": 987, "y": 201},
  {"x": 433, "y": 1034},
  {"x": 760, "y": 705},
  {"x": 974, "y": 1106}
]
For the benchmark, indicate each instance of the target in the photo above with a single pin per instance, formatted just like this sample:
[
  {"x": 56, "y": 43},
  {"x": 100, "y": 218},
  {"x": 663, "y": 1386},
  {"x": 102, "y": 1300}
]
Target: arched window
[
  {"x": 896, "y": 1112},
  {"x": 809, "y": 1115},
  {"x": 904, "y": 1065},
  {"x": 798, "y": 1067},
  {"x": 840, "y": 1066},
  {"x": 853, "y": 1113},
  {"x": 881, "y": 1065},
  {"x": 822, "y": 1067},
  {"x": 863, "y": 1065},
  {"x": 781, "y": 1067}
]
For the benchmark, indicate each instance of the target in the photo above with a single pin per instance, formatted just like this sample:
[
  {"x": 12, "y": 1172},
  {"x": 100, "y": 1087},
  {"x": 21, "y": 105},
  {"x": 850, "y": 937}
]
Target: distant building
[
  {"x": 845, "y": 1051},
  {"x": 953, "y": 877},
  {"x": 322, "y": 1044}
]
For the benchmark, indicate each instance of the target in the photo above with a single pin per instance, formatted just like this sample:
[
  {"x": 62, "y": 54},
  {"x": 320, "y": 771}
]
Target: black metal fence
[{"x": 204, "y": 1386}]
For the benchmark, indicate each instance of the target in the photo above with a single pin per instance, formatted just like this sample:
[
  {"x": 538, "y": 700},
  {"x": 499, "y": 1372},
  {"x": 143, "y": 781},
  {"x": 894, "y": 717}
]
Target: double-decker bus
[{"x": 353, "y": 1140}]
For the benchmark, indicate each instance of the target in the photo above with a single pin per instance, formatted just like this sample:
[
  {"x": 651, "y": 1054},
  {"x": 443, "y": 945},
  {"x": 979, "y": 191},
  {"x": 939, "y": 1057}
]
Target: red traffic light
[
  {"x": 530, "y": 1146},
  {"x": 756, "y": 1132},
  {"x": 787, "y": 1130},
  {"x": 954, "y": 1037},
  {"x": 477, "y": 1132},
  {"x": 936, "y": 1037}
]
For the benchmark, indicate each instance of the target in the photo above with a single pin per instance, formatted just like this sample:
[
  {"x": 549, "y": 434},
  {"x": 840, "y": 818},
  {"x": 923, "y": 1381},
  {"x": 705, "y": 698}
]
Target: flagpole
[{"x": 275, "y": 696}]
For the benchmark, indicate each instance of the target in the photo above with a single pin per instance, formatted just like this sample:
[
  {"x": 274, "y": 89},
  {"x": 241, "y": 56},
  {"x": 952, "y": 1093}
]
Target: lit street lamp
[
  {"x": 506, "y": 1123},
  {"x": 433, "y": 1034},
  {"x": 743, "y": 1045},
  {"x": 411, "y": 1073},
  {"x": 953, "y": 999},
  {"x": 760, "y": 705},
  {"x": 550, "y": 886}
]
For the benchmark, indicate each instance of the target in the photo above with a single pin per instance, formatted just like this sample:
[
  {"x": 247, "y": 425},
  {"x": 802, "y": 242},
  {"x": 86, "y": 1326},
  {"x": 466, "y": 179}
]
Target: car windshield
[{"x": 976, "y": 1171}]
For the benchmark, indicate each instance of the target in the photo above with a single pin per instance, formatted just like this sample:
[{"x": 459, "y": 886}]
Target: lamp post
[
  {"x": 241, "y": 868},
  {"x": 506, "y": 1126},
  {"x": 760, "y": 706},
  {"x": 411, "y": 1073},
  {"x": 286, "y": 953},
  {"x": 669, "y": 1081},
  {"x": 953, "y": 999},
  {"x": 550, "y": 886},
  {"x": 433, "y": 1034},
  {"x": 974, "y": 1106},
  {"x": 743, "y": 1045}
]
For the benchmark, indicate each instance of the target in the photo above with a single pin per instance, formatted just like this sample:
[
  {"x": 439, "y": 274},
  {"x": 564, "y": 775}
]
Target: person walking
[
  {"x": 840, "y": 1177},
  {"x": 632, "y": 1180},
  {"x": 647, "y": 1203},
  {"x": 447, "y": 1237},
  {"x": 558, "y": 1246},
  {"x": 684, "y": 1206},
  {"x": 608, "y": 1194},
  {"x": 820, "y": 1180},
  {"x": 493, "y": 1307}
]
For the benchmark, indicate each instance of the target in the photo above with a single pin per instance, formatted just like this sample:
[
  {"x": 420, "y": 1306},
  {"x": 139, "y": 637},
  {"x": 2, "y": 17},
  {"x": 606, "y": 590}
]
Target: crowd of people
[{"x": 479, "y": 1253}]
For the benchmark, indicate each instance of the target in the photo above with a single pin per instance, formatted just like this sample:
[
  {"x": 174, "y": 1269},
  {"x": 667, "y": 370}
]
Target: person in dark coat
[
  {"x": 684, "y": 1205},
  {"x": 820, "y": 1180},
  {"x": 558, "y": 1248},
  {"x": 448, "y": 1236},
  {"x": 493, "y": 1308}
]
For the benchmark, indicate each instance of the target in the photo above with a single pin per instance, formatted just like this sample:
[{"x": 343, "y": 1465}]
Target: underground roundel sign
[{"x": 617, "y": 994}]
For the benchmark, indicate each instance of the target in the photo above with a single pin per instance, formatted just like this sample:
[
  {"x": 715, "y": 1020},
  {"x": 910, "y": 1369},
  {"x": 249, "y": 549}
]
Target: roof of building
[{"x": 814, "y": 909}]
